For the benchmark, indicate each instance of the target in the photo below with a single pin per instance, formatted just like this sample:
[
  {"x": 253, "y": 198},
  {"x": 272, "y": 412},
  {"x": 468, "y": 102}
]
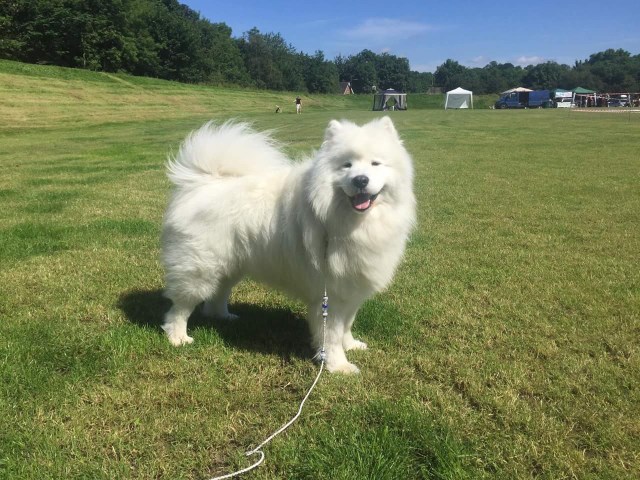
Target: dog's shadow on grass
[{"x": 276, "y": 331}]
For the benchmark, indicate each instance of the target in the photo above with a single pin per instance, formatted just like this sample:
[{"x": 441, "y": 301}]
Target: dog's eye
[
  {"x": 375, "y": 163},
  {"x": 347, "y": 165}
]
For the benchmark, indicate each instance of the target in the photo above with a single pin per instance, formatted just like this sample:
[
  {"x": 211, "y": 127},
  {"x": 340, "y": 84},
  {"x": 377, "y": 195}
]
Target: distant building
[
  {"x": 435, "y": 90},
  {"x": 345, "y": 88}
]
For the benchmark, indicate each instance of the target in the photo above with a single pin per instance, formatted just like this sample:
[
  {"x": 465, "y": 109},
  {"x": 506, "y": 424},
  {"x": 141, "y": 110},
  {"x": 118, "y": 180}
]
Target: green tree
[
  {"x": 616, "y": 69},
  {"x": 498, "y": 77},
  {"x": 14, "y": 39},
  {"x": 449, "y": 74},
  {"x": 271, "y": 62},
  {"x": 360, "y": 70},
  {"x": 320, "y": 75},
  {"x": 546, "y": 75},
  {"x": 392, "y": 71},
  {"x": 85, "y": 33},
  {"x": 419, "y": 82}
]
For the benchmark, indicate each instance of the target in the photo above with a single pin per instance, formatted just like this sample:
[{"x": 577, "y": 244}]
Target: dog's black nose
[{"x": 360, "y": 181}]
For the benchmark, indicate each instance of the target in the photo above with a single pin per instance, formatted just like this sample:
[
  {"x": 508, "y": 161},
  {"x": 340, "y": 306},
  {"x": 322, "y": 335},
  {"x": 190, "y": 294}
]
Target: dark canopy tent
[
  {"x": 583, "y": 97},
  {"x": 583, "y": 91},
  {"x": 390, "y": 100}
]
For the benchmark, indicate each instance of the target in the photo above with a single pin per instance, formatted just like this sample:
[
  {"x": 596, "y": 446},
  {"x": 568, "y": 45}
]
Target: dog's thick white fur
[{"x": 241, "y": 208}]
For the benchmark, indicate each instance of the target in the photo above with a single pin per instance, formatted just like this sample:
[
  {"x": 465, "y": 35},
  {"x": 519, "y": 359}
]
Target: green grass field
[{"x": 507, "y": 346}]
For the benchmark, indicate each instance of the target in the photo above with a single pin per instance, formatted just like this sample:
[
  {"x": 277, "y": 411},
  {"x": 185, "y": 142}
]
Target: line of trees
[
  {"x": 608, "y": 71},
  {"x": 166, "y": 39}
]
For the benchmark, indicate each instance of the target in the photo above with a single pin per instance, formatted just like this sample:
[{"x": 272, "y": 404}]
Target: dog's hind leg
[
  {"x": 186, "y": 289},
  {"x": 175, "y": 321},
  {"x": 218, "y": 304}
]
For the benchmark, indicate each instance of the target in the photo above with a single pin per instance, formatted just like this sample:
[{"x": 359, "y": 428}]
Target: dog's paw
[
  {"x": 175, "y": 338},
  {"x": 229, "y": 317},
  {"x": 344, "y": 367},
  {"x": 355, "y": 345}
]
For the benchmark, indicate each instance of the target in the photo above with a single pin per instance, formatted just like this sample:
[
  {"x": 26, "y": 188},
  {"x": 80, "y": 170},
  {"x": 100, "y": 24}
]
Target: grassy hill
[
  {"x": 506, "y": 347},
  {"x": 34, "y": 95}
]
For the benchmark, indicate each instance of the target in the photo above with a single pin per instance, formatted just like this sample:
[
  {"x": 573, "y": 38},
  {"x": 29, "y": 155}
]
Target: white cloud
[
  {"x": 533, "y": 60},
  {"x": 387, "y": 29},
  {"x": 480, "y": 61}
]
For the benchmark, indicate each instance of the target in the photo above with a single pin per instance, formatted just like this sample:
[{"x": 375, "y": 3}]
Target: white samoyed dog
[{"x": 338, "y": 220}]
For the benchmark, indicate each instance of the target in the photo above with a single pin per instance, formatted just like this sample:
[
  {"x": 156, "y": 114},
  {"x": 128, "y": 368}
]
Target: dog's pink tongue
[{"x": 362, "y": 201}]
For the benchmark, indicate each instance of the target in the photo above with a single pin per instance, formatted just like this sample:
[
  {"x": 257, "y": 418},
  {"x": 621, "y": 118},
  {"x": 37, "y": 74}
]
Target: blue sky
[{"x": 473, "y": 33}]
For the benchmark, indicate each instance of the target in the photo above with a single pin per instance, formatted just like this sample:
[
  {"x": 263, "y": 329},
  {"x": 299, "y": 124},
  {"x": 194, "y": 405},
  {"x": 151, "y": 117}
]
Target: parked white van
[{"x": 563, "y": 100}]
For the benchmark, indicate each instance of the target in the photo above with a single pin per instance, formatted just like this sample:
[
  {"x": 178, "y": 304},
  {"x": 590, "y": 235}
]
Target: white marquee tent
[{"x": 459, "y": 98}]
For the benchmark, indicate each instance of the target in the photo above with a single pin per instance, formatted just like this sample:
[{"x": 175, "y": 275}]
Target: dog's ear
[
  {"x": 387, "y": 125},
  {"x": 332, "y": 129}
]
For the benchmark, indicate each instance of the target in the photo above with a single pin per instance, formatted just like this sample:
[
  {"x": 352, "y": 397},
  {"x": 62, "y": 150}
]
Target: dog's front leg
[{"x": 332, "y": 337}]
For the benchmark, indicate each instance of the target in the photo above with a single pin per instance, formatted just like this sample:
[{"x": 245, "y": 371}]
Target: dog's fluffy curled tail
[{"x": 228, "y": 150}]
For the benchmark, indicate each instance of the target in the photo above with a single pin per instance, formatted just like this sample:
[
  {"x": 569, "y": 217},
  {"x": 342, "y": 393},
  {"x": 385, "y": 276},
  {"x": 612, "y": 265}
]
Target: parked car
[
  {"x": 533, "y": 99},
  {"x": 617, "y": 102}
]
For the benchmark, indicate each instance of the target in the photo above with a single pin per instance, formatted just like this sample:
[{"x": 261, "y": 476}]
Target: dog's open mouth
[{"x": 362, "y": 202}]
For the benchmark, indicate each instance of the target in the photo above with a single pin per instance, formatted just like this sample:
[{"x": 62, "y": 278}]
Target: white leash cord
[{"x": 258, "y": 449}]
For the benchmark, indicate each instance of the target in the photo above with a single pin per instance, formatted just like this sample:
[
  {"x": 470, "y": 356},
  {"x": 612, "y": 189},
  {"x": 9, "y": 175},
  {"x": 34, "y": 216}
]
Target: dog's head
[{"x": 360, "y": 167}]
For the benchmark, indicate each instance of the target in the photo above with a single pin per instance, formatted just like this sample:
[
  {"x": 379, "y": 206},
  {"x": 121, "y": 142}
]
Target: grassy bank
[
  {"x": 36, "y": 95},
  {"x": 507, "y": 346}
]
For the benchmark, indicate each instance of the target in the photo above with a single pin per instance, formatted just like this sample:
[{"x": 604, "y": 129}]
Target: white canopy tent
[{"x": 459, "y": 98}]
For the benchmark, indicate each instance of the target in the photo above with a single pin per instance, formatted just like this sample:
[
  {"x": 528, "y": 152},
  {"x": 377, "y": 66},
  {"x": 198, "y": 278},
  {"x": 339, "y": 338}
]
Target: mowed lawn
[{"x": 507, "y": 347}]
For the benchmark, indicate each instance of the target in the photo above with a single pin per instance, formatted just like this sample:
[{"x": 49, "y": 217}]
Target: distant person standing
[{"x": 298, "y": 105}]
